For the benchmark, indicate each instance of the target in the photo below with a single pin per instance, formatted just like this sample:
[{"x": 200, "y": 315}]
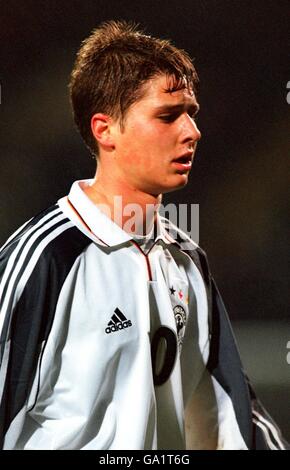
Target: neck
[{"x": 133, "y": 210}]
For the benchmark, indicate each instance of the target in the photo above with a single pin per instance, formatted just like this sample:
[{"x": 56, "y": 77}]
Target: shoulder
[
  {"x": 48, "y": 236},
  {"x": 180, "y": 236},
  {"x": 187, "y": 245},
  {"x": 34, "y": 264},
  {"x": 49, "y": 225}
]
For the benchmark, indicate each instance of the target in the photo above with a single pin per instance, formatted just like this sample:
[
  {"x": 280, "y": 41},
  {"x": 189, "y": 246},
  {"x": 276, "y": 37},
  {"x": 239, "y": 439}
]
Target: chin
[
  {"x": 175, "y": 187},
  {"x": 180, "y": 180}
]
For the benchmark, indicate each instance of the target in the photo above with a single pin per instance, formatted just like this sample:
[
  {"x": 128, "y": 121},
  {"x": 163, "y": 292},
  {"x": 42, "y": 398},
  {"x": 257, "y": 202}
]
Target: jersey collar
[{"x": 99, "y": 224}]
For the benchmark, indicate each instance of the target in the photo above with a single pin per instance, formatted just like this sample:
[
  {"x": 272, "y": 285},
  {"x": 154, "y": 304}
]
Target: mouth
[{"x": 184, "y": 162}]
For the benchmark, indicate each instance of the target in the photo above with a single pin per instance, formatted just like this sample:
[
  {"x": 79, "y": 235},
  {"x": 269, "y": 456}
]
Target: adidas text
[{"x": 118, "y": 326}]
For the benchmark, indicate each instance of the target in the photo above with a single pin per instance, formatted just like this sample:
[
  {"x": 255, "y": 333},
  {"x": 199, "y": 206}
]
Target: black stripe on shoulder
[
  {"x": 8, "y": 311},
  {"x": 50, "y": 226},
  {"x": 200, "y": 259},
  {"x": 29, "y": 225},
  {"x": 7, "y": 250},
  {"x": 196, "y": 253},
  {"x": 33, "y": 317}
]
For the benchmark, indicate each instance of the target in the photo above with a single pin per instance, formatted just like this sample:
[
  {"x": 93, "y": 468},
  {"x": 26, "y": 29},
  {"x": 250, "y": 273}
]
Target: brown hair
[{"x": 112, "y": 66}]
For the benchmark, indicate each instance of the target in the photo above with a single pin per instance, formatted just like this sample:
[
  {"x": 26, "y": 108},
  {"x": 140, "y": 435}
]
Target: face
[{"x": 155, "y": 149}]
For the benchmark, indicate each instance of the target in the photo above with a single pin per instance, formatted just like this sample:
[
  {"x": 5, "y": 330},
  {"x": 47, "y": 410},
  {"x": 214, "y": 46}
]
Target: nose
[
  {"x": 190, "y": 131},
  {"x": 196, "y": 130}
]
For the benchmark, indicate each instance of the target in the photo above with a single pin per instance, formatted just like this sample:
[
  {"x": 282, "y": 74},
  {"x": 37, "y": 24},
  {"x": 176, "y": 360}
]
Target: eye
[{"x": 168, "y": 117}]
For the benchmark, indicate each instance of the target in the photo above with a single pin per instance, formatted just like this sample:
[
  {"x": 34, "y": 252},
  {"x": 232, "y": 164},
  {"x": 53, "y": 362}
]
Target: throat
[{"x": 135, "y": 212}]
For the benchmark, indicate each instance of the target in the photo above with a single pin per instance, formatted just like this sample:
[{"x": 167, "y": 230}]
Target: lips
[
  {"x": 185, "y": 158},
  {"x": 183, "y": 163}
]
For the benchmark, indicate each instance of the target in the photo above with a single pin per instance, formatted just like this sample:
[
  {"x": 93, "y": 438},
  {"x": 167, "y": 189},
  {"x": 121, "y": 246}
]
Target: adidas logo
[{"x": 118, "y": 322}]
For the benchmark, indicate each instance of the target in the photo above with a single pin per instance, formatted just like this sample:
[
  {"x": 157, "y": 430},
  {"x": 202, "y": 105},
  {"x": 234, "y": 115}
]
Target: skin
[{"x": 137, "y": 161}]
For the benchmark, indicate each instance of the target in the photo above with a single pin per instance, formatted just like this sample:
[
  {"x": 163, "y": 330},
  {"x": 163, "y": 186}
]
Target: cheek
[{"x": 147, "y": 147}]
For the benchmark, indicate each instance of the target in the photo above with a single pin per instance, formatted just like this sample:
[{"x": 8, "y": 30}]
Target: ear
[{"x": 101, "y": 125}]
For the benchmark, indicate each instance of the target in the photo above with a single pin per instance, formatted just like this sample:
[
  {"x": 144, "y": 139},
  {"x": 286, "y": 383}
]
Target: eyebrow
[{"x": 168, "y": 108}]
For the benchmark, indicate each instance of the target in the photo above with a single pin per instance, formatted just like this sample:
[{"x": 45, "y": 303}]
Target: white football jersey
[{"x": 115, "y": 339}]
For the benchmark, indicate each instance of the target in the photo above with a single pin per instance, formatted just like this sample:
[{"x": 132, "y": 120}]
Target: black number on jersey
[{"x": 163, "y": 354}]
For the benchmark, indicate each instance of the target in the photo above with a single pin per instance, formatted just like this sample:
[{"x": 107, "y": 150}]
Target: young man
[{"x": 113, "y": 333}]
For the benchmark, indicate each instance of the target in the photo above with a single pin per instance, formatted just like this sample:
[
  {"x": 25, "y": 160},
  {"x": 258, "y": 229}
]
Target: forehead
[{"x": 157, "y": 90}]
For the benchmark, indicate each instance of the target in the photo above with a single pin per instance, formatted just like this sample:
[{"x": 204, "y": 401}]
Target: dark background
[{"x": 240, "y": 176}]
